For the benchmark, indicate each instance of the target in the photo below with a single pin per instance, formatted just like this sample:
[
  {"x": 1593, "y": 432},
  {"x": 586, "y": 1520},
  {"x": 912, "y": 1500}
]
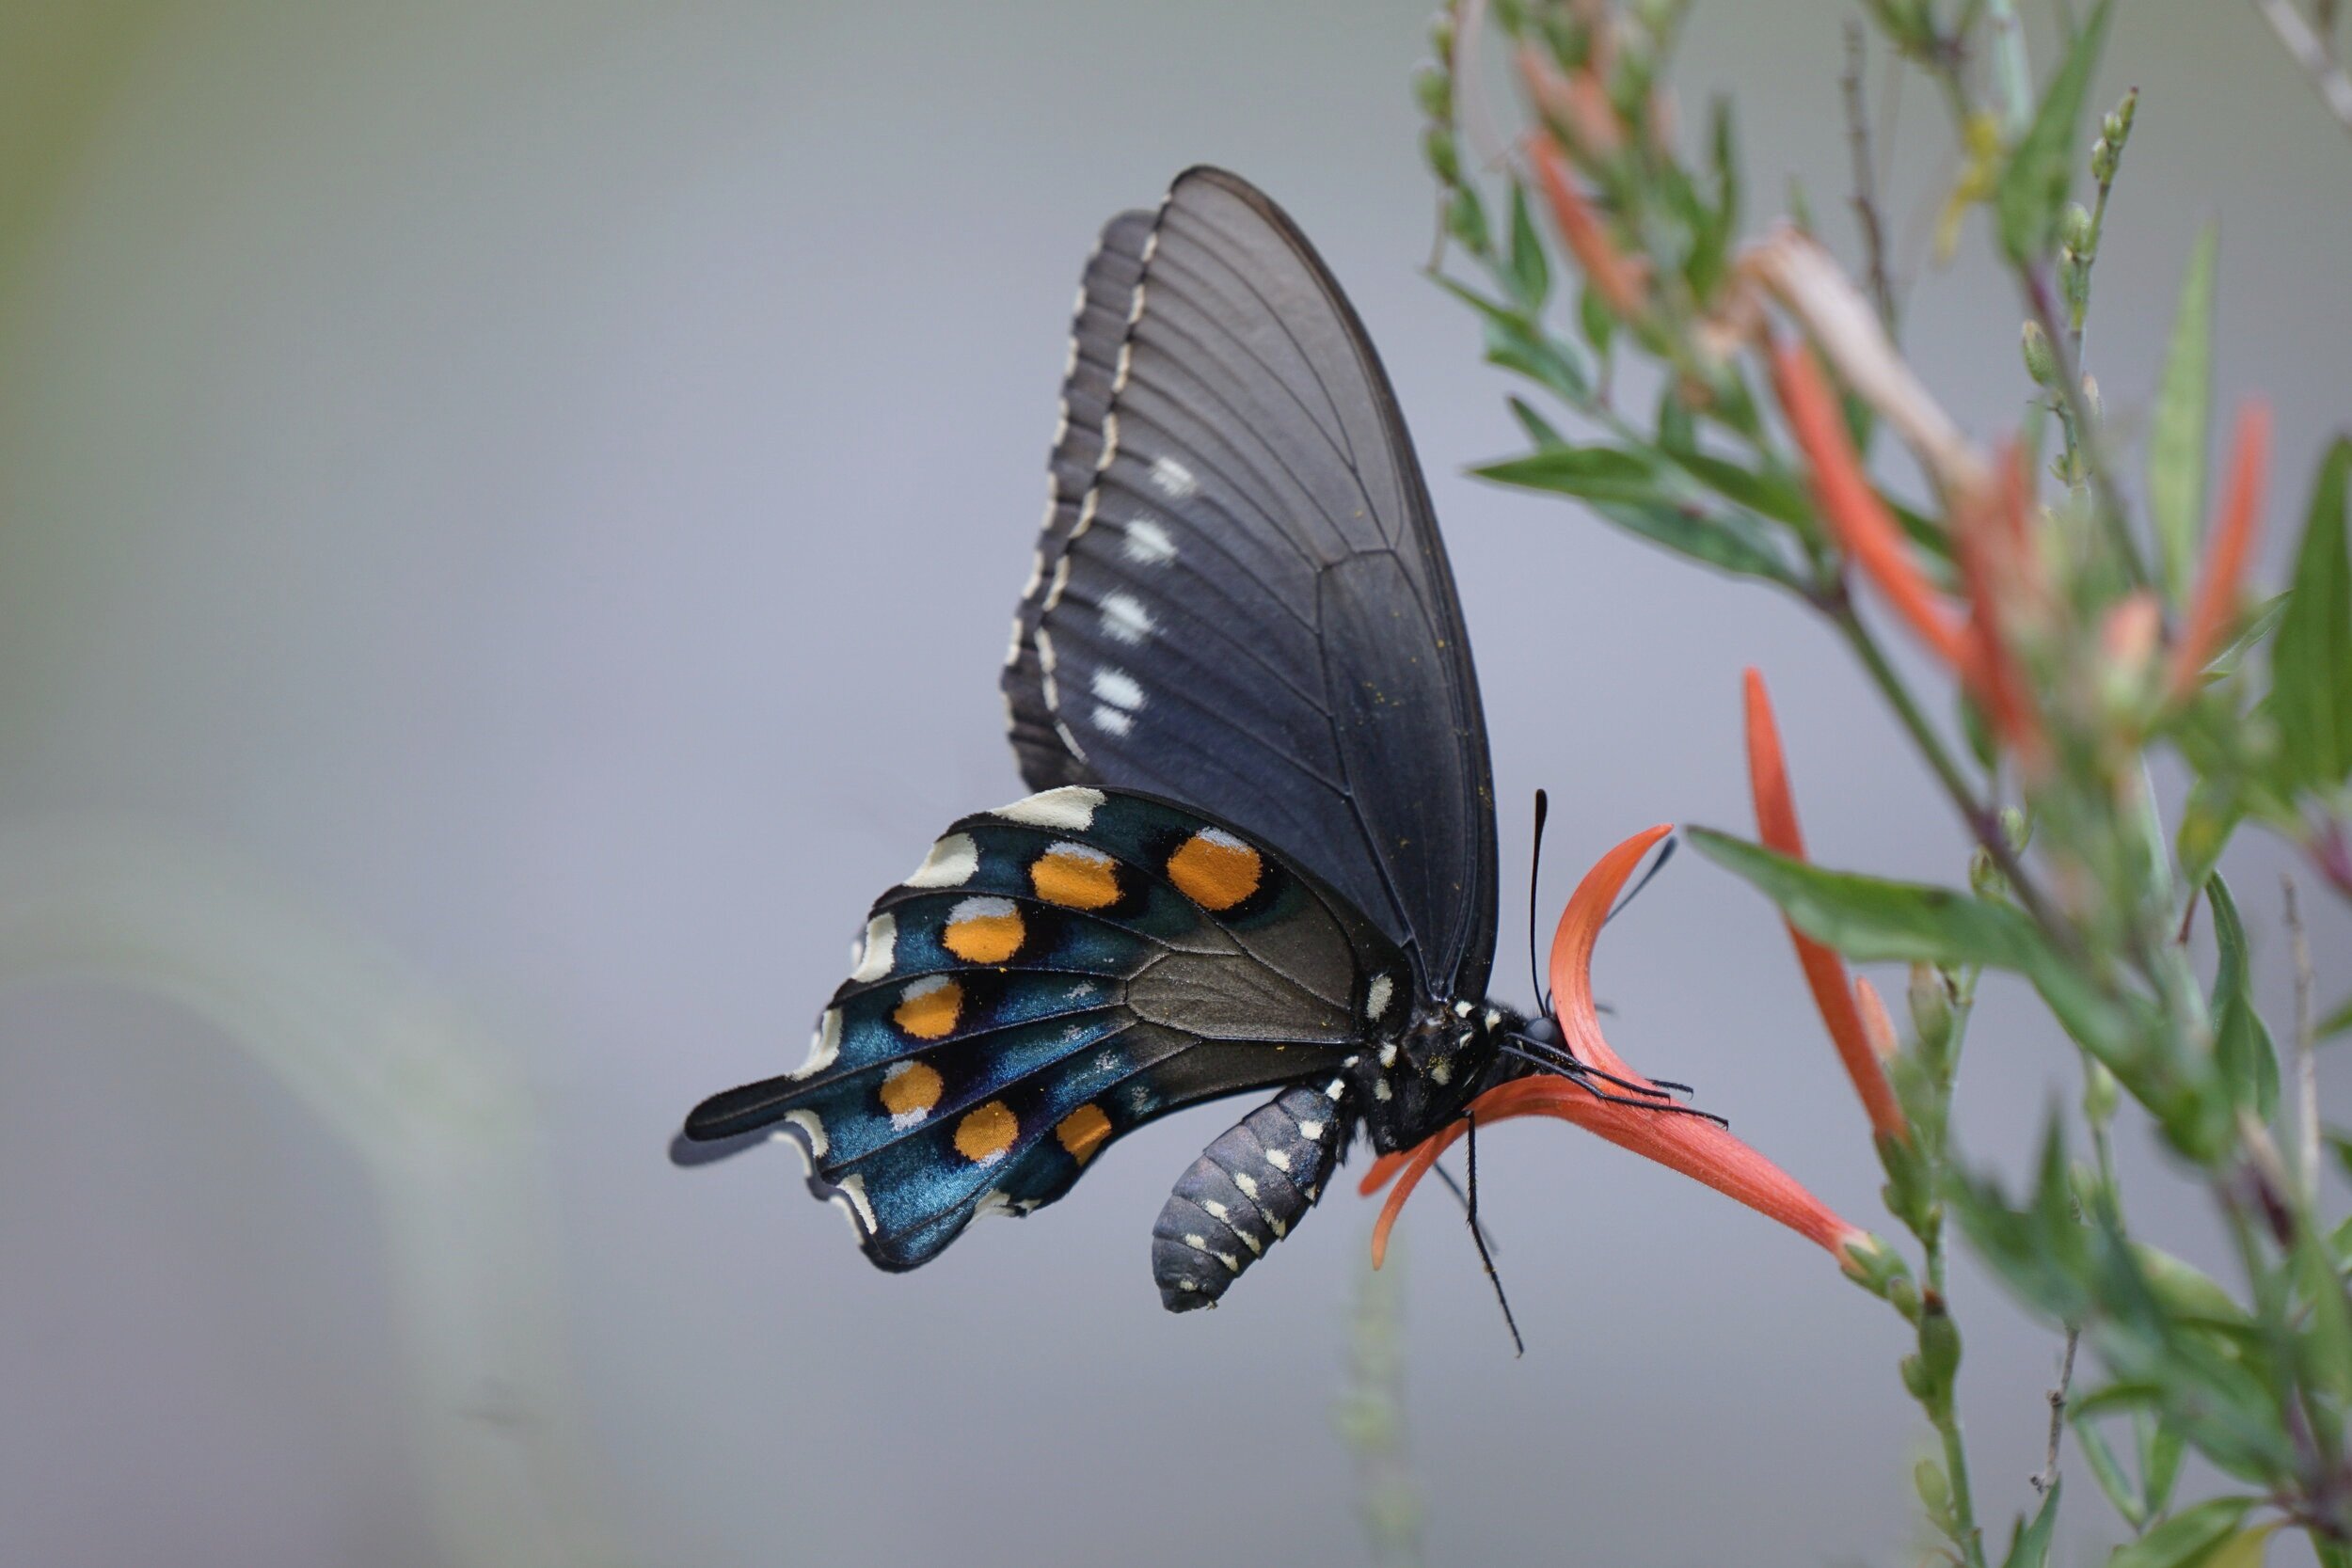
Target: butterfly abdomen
[{"x": 1245, "y": 1193}]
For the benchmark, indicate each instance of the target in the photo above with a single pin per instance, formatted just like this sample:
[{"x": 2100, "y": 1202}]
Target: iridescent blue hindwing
[{"x": 1053, "y": 975}]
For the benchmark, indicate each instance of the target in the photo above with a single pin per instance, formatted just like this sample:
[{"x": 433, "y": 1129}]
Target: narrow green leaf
[
  {"x": 1631, "y": 491},
  {"x": 2041, "y": 170},
  {"x": 2108, "y": 1472},
  {"x": 1773, "y": 495},
  {"x": 1530, "y": 274},
  {"x": 2162, "y": 1465},
  {"x": 1590, "y": 474},
  {"x": 2188, "y": 1539},
  {"x": 2310, "y": 660},
  {"x": 2249, "y": 1062},
  {"x": 2211, "y": 814},
  {"x": 2176, "y": 429},
  {"x": 1872, "y": 920},
  {"x": 1720, "y": 540},
  {"x": 2243, "y": 1550},
  {"x": 1539, "y": 430},
  {"x": 2030, "y": 1546},
  {"x": 1517, "y": 343}
]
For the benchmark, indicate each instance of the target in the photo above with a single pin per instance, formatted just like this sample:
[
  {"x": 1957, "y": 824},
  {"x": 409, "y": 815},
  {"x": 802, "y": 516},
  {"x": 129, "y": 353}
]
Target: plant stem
[{"x": 2082, "y": 437}]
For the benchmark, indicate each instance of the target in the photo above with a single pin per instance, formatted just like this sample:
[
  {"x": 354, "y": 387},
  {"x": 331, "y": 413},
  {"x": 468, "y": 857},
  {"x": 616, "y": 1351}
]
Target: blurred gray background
[{"x": 507, "y": 518}]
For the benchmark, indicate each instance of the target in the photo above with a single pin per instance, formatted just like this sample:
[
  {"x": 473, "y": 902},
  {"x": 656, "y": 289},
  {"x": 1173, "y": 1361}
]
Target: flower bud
[
  {"x": 2074, "y": 227},
  {"x": 2099, "y": 1094},
  {"x": 1437, "y": 147},
  {"x": 1935, "y": 1490},
  {"x": 2040, "y": 363},
  {"x": 1441, "y": 35},
  {"x": 1930, "y": 1010},
  {"x": 2016, "y": 831},
  {"x": 1984, "y": 878},
  {"x": 1434, "y": 90},
  {"x": 2090, "y": 397}
]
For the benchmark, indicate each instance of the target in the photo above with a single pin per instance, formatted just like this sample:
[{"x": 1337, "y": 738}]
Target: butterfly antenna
[
  {"x": 1534, "y": 879},
  {"x": 1666, "y": 853},
  {"x": 1478, "y": 1235}
]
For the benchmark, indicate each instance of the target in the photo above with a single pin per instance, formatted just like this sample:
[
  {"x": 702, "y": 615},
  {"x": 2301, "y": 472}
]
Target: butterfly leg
[{"x": 1245, "y": 1193}]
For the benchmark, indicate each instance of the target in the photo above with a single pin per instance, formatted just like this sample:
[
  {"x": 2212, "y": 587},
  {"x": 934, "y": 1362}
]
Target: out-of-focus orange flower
[
  {"x": 1618, "y": 281},
  {"x": 2004, "y": 579},
  {"x": 1574, "y": 105},
  {"x": 1878, "y": 1025},
  {"x": 2215, "y": 603},
  {"x": 1851, "y": 506},
  {"x": 1698, "y": 1147},
  {"x": 1824, "y": 971}
]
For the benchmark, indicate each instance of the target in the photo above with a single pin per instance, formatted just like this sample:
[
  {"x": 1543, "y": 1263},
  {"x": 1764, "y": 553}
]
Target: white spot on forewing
[
  {"x": 1012, "y": 646},
  {"x": 1110, "y": 720},
  {"x": 823, "y": 1045},
  {"x": 1377, "y": 997},
  {"x": 1061, "y": 583},
  {"x": 1279, "y": 1160},
  {"x": 1172, "y": 479},
  {"x": 1126, "y": 620},
  {"x": 950, "y": 864},
  {"x": 1086, "y": 514},
  {"x": 853, "y": 1201},
  {"x": 1117, "y": 687},
  {"x": 813, "y": 1125},
  {"x": 879, "y": 949},
  {"x": 1126, "y": 363},
  {"x": 1070, "y": 808},
  {"x": 1148, "y": 543}
]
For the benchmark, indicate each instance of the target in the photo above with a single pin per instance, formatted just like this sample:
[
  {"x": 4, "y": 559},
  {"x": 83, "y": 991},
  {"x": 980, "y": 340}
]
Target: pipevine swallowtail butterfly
[{"x": 1262, "y": 850}]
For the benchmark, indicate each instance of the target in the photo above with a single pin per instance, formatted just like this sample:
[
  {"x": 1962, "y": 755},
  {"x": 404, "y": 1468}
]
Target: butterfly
[{"x": 1261, "y": 853}]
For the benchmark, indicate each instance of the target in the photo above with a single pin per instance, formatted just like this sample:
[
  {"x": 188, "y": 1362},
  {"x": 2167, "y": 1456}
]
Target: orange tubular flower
[
  {"x": 1824, "y": 971},
  {"x": 2216, "y": 601},
  {"x": 1618, "y": 281},
  {"x": 1851, "y": 504},
  {"x": 1998, "y": 567},
  {"x": 1697, "y": 1148}
]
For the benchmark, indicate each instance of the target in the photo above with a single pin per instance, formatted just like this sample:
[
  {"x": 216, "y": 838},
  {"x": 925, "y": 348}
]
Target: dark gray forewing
[
  {"x": 1252, "y": 610},
  {"x": 1098, "y": 325}
]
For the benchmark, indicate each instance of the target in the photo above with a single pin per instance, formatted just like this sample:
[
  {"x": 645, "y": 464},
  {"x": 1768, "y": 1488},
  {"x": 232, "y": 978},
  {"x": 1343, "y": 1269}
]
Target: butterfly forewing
[
  {"x": 1052, "y": 975},
  {"x": 1250, "y": 609}
]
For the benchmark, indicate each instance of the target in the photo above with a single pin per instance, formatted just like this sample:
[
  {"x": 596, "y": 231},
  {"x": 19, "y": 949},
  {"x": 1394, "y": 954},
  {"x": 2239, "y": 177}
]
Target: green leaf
[
  {"x": 2160, "y": 1465},
  {"x": 2310, "y": 660},
  {"x": 1631, "y": 491},
  {"x": 2211, "y": 814},
  {"x": 2030, "y": 1546},
  {"x": 2188, "y": 1539},
  {"x": 2109, "y": 1471},
  {"x": 1539, "y": 430},
  {"x": 1517, "y": 343},
  {"x": 2249, "y": 1060},
  {"x": 1872, "y": 920},
  {"x": 1530, "y": 274},
  {"x": 2041, "y": 170},
  {"x": 2176, "y": 429},
  {"x": 2243, "y": 1550}
]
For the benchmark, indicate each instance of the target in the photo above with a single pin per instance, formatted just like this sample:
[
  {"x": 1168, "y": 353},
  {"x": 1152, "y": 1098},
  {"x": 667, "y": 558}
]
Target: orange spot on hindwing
[
  {"x": 984, "y": 1134},
  {"x": 928, "y": 1009},
  {"x": 984, "y": 930},
  {"x": 1083, "y": 1132},
  {"x": 1214, "y": 869},
  {"x": 910, "y": 1091},
  {"x": 1075, "y": 876}
]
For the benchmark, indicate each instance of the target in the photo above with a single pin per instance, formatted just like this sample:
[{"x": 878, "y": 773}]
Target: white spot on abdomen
[{"x": 1279, "y": 1160}]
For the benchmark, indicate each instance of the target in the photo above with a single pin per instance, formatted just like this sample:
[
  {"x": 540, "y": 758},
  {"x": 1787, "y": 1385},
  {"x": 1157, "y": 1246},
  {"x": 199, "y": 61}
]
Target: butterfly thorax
[{"x": 1415, "y": 1081}]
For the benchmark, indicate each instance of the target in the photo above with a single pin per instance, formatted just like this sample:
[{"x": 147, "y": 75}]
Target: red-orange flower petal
[
  {"x": 1697, "y": 1148},
  {"x": 1997, "y": 568},
  {"x": 2216, "y": 601},
  {"x": 1618, "y": 281},
  {"x": 1824, "y": 971},
  {"x": 1850, "y": 504}
]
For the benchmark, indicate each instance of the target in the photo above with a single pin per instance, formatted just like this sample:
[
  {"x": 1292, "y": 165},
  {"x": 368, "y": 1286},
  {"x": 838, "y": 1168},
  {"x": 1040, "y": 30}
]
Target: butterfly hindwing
[
  {"x": 1247, "y": 607},
  {"x": 1052, "y": 975}
]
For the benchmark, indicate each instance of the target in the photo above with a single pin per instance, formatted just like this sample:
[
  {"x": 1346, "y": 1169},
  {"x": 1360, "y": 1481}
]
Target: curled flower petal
[
  {"x": 1617, "y": 281},
  {"x": 1698, "y": 1147},
  {"x": 1824, "y": 971},
  {"x": 2216, "y": 599},
  {"x": 1851, "y": 506}
]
